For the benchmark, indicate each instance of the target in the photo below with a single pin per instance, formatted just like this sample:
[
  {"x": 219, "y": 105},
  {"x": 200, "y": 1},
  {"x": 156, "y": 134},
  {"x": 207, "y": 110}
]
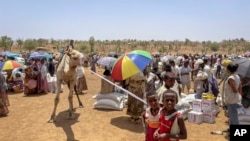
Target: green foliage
[
  {"x": 133, "y": 46},
  {"x": 187, "y": 42},
  {"x": 41, "y": 42},
  {"x": 214, "y": 47},
  {"x": 203, "y": 50},
  {"x": 30, "y": 44},
  {"x": 230, "y": 49},
  {"x": 246, "y": 47},
  {"x": 162, "y": 49},
  {"x": 19, "y": 42},
  {"x": 92, "y": 43},
  {"x": 83, "y": 48},
  {"x": 6, "y": 43},
  {"x": 170, "y": 47}
]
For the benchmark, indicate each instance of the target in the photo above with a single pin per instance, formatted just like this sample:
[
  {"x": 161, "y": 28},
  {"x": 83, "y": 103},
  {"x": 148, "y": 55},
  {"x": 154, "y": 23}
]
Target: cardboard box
[
  {"x": 195, "y": 117},
  {"x": 208, "y": 105},
  {"x": 209, "y": 116},
  {"x": 196, "y": 105}
]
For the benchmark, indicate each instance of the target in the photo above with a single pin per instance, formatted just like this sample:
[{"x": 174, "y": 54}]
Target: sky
[{"x": 196, "y": 20}]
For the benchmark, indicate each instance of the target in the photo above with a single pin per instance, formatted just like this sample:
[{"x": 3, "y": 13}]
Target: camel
[{"x": 66, "y": 71}]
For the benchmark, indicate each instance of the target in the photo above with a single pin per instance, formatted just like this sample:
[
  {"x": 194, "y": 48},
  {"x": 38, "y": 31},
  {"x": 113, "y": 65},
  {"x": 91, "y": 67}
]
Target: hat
[
  {"x": 199, "y": 61},
  {"x": 202, "y": 76},
  {"x": 225, "y": 62}
]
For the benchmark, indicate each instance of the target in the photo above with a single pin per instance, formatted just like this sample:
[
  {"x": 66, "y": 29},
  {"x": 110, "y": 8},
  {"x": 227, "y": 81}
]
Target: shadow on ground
[
  {"x": 62, "y": 121},
  {"x": 124, "y": 122}
]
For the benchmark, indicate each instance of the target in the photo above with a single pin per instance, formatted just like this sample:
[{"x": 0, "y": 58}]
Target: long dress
[
  {"x": 4, "y": 101},
  {"x": 42, "y": 79},
  {"x": 137, "y": 87}
]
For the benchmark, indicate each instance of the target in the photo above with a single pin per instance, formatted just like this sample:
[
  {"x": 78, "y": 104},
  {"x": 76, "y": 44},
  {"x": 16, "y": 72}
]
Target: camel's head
[{"x": 75, "y": 58}]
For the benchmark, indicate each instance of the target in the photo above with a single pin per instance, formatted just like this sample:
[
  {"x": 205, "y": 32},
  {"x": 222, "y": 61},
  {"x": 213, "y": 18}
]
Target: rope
[{"x": 126, "y": 91}]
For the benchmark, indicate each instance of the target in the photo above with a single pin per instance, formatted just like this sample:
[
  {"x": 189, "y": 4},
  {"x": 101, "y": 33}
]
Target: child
[
  {"x": 150, "y": 117},
  {"x": 172, "y": 126}
]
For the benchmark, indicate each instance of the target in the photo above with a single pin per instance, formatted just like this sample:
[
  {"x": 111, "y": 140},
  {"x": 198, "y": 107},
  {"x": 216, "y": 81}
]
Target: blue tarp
[{"x": 10, "y": 54}]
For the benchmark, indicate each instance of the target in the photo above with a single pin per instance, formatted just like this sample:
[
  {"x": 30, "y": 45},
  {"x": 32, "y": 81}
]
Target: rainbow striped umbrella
[
  {"x": 10, "y": 64},
  {"x": 130, "y": 64}
]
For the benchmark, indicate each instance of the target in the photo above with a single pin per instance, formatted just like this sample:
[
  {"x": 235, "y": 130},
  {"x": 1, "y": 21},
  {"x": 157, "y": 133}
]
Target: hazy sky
[{"x": 199, "y": 20}]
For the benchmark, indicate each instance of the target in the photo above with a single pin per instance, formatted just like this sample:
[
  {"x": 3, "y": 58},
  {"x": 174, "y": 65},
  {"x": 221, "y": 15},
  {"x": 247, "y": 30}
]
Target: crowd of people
[
  {"x": 175, "y": 77},
  {"x": 35, "y": 76},
  {"x": 161, "y": 82}
]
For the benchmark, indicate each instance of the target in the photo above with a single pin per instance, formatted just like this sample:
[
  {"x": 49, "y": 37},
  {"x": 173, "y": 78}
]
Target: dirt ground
[{"x": 27, "y": 120}]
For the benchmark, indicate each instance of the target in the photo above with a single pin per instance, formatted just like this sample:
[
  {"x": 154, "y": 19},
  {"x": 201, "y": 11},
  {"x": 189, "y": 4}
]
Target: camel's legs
[
  {"x": 70, "y": 98},
  {"x": 77, "y": 95},
  {"x": 57, "y": 98}
]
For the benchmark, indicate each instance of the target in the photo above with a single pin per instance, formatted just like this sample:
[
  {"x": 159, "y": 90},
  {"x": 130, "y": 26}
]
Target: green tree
[
  {"x": 29, "y": 44},
  {"x": 6, "y": 43},
  {"x": 118, "y": 46},
  {"x": 246, "y": 47},
  {"x": 187, "y": 42},
  {"x": 41, "y": 42},
  {"x": 20, "y": 44},
  {"x": 214, "y": 47},
  {"x": 92, "y": 43},
  {"x": 83, "y": 48},
  {"x": 133, "y": 46},
  {"x": 162, "y": 49},
  {"x": 230, "y": 49}
]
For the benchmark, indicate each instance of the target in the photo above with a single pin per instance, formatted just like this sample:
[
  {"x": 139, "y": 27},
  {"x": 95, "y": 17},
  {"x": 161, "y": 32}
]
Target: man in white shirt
[{"x": 185, "y": 75}]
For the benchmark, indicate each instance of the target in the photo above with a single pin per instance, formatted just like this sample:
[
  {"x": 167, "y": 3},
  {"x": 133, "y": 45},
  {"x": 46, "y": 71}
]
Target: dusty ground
[{"x": 27, "y": 120}]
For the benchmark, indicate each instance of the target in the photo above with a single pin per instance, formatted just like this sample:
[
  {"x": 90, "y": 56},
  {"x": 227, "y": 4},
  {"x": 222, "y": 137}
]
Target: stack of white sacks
[
  {"x": 203, "y": 110},
  {"x": 111, "y": 101}
]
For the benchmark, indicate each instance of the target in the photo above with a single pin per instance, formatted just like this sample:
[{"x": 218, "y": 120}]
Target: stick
[{"x": 131, "y": 94}]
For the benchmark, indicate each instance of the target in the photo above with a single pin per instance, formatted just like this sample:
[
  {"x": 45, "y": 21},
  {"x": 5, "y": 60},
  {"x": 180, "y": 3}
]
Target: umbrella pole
[{"x": 131, "y": 94}]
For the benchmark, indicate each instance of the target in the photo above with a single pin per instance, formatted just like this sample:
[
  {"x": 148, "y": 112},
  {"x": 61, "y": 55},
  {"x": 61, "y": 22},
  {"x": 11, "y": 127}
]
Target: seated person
[
  {"x": 202, "y": 85},
  {"x": 18, "y": 77},
  {"x": 18, "y": 81}
]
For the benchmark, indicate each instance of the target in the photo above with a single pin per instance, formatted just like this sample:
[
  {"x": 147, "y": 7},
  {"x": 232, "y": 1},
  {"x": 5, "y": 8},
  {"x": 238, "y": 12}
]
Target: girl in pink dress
[
  {"x": 150, "y": 116},
  {"x": 172, "y": 126}
]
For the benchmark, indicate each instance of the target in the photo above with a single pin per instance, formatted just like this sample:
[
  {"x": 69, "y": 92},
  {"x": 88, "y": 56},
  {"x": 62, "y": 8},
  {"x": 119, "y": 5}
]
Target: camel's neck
[{"x": 63, "y": 64}]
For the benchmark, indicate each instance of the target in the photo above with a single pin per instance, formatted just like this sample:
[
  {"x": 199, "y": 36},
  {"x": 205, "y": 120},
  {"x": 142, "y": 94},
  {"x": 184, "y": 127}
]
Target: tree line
[{"x": 230, "y": 46}]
